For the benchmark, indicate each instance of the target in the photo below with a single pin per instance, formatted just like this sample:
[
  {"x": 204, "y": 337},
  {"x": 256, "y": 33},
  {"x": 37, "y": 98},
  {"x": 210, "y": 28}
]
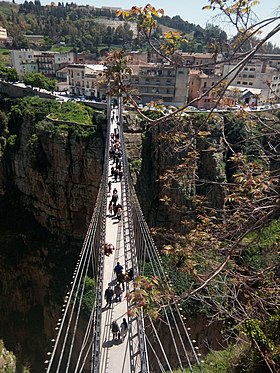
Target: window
[
  {"x": 204, "y": 84},
  {"x": 244, "y": 83},
  {"x": 252, "y": 69},
  {"x": 250, "y": 83},
  {"x": 251, "y": 76},
  {"x": 238, "y": 82},
  {"x": 181, "y": 72}
]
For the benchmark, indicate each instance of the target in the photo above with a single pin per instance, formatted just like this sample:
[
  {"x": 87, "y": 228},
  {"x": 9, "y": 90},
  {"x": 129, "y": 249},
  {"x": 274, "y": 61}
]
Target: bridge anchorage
[{"x": 84, "y": 340}]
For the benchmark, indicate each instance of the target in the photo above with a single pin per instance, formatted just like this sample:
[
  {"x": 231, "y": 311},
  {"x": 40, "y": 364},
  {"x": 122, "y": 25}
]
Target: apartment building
[
  {"x": 258, "y": 73},
  {"x": 47, "y": 63},
  {"x": 154, "y": 82},
  {"x": 197, "y": 61},
  {"x": 3, "y": 36},
  {"x": 86, "y": 80},
  {"x": 22, "y": 60},
  {"x": 199, "y": 84}
]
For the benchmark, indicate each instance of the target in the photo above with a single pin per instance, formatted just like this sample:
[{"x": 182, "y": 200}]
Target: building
[
  {"x": 47, "y": 63},
  {"x": 21, "y": 59},
  {"x": 154, "y": 82},
  {"x": 138, "y": 58},
  {"x": 63, "y": 59},
  {"x": 258, "y": 73},
  {"x": 198, "y": 85},
  {"x": 87, "y": 80},
  {"x": 3, "y": 36}
]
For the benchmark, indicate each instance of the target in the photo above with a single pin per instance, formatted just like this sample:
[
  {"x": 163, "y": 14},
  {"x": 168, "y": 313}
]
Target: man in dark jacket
[{"x": 109, "y": 293}]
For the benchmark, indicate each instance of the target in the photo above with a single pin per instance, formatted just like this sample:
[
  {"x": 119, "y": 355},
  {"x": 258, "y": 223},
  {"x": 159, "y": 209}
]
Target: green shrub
[
  {"x": 89, "y": 295},
  {"x": 12, "y": 140}
]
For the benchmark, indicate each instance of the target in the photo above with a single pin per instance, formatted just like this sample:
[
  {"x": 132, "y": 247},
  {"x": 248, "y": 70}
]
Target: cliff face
[
  {"x": 55, "y": 175},
  {"x": 49, "y": 177},
  {"x": 174, "y": 155}
]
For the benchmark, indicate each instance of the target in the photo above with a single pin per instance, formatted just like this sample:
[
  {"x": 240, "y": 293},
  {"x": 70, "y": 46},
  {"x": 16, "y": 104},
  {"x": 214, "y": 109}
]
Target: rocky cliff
[
  {"x": 174, "y": 156},
  {"x": 53, "y": 171}
]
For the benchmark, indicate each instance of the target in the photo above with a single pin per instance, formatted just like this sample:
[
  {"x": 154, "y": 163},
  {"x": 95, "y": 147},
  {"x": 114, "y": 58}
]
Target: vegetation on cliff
[
  {"x": 8, "y": 362},
  {"x": 216, "y": 186}
]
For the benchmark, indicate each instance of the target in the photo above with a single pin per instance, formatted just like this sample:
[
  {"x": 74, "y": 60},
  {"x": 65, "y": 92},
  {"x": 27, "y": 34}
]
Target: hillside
[{"x": 84, "y": 28}]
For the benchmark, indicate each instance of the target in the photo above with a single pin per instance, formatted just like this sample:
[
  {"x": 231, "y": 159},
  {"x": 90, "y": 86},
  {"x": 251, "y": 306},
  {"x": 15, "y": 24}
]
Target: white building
[
  {"x": 22, "y": 58},
  {"x": 27, "y": 60},
  {"x": 87, "y": 80},
  {"x": 256, "y": 74}
]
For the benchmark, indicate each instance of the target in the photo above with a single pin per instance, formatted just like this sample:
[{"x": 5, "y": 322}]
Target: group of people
[
  {"x": 114, "y": 294},
  {"x": 119, "y": 332},
  {"x": 115, "y": 208}
]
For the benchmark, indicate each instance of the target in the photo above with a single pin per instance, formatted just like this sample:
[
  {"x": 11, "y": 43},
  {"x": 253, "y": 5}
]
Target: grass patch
[
  {"x": 72, "y": 112},
  {"x": 61, "y": 48},
  {"x": 233, "y": 359},
  {"x": 5, "y": 56},
  {"x": 262, "y": 248}
]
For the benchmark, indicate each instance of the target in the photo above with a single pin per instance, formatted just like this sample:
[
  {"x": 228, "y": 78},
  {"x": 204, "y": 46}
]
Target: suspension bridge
[{"x": 83, "y": 341}]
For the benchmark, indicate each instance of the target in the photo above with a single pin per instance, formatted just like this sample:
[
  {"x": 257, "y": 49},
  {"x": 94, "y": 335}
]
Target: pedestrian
[
  {"x": 110, "y": 208},
  {"x": 120, "y": 175},
  {"x": 114, "y": 198},
  {"x": 119, "y": 213},
  {"x": 109, "y": 186},
  {"x": 112, "y": 171},
  {"x": 116, "y": 174},
  {"x": 121, "y": 279},
  {"x": 124, "y": 328},
  {"x": 109, "y": 293},
  {"x": 117, "y": 291},
  {"x": 118, "y": 269},
  {"x": 115, "y": 329}
]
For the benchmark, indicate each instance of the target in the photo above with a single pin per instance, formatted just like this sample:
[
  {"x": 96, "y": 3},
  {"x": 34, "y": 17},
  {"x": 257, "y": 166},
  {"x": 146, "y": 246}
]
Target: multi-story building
[
  {"x": 3, "y": 36},
  {"x": 256, "y": 74},
  {"x": 64, "y": 59},
  {"x": 21, "y": 59},
  {"x": 197, "y": 61},
  {"x": 47, "y": 63},
  {"x": 154, "y": 82},
  {"x": 199, "y": 84},
  {"x": 87, "y": 80}
]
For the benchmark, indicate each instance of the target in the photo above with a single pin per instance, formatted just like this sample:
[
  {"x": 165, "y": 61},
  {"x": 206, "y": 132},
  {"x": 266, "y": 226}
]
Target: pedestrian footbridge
[{"x": 83, "y": 340}]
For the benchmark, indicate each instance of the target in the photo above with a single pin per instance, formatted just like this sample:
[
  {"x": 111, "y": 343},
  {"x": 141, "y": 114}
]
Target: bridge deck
[{"x": 117, "y": 356}]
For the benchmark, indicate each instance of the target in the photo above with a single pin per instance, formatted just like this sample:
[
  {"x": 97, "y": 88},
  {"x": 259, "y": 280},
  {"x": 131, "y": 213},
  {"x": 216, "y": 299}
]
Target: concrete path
[{"x": 116, "y": 355}]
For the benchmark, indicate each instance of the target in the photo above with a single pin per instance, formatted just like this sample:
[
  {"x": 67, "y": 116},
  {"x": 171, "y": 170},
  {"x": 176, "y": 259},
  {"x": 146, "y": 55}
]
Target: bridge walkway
[{"x": 117, "y": 356}]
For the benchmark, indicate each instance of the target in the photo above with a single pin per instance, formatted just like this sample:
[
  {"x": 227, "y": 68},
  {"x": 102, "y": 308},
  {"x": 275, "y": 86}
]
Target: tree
[
  {"x": 39, "y": 80},
  {"x": 218, "y": 246}
]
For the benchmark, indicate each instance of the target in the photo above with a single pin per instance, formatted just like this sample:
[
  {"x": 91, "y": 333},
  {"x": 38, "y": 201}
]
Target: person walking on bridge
[
  {"x": 109, "y": 293},
  {"x": 124, "y": 328},
  {"x": 115, "y": 329},
  {"x": 118, "y": 269}
]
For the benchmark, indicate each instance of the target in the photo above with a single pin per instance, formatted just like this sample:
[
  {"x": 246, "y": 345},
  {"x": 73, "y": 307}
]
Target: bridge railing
[
  {"x": 133, "y": 259},
  {"x": 70, "y": 352},
  {"x": 147, "y": 252}
]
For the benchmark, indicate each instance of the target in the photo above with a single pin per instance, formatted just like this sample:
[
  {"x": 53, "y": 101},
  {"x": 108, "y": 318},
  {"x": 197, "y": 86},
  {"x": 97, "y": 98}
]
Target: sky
[{"x": 188, "y": 10}]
